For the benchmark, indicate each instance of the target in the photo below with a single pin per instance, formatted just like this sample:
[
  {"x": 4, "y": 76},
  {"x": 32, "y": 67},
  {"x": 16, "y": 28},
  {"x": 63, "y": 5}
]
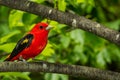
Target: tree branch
[
  {"x": 82, "y": 71},
  {"x": 65, "y": 18},
  {"x": 71, "y": 20}
]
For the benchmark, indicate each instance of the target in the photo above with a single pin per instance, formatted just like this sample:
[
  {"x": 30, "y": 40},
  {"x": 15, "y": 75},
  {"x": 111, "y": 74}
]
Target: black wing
[{"x": 21, "y": 45}]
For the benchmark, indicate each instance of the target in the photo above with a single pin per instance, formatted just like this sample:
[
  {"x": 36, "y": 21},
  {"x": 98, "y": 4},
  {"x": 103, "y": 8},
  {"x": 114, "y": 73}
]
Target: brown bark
[{"x": 73, "y": 70}]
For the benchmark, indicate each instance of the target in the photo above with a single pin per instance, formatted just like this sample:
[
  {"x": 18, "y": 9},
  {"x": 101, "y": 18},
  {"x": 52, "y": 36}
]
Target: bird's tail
[{"x": 8, "y": 58}]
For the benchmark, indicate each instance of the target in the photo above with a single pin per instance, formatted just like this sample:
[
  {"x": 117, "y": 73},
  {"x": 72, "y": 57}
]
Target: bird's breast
[{"x": 37, "y": 46}]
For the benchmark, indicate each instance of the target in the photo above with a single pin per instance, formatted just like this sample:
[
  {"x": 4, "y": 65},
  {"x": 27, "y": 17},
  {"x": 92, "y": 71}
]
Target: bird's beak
[{"x": 49, "y": 27}]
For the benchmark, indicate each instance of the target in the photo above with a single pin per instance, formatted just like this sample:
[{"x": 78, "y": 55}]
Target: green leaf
[
  {"x": 106, "y": 55},
  {"x": 79, "y": 55},
  {"x": 62, "y": 5},
  {"x": 48, "y": 51},
  {"x": 100, "y": 61},
  {"x": 114, "y": 52},
  {"x": 5, "y": 38},
  {"x": 96, "y": 43},
  {"x": 28, "y": 18},
  {"x": 15, "y": 18},
  {"x": 63, "y": 77},
  {"x": 50, "y": 76},
  {"x": 65, "y": 40},
  {"x": 77, "y": 35},
  {"x": 91, "y": 2},
  {"x": 7, "y": 47},
  {"x": 113, "y": 24},
  {"x": 3, "y": 29},
  {"x": 102, "y": 58},
  {"x": 38, "y": 1},
  {"x": 23, "y": 75},
  {"x": 80, "y": 1}
]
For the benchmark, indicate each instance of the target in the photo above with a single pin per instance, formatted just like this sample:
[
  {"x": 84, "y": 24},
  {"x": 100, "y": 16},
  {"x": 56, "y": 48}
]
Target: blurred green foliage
[{"x": 65, "y": 45}]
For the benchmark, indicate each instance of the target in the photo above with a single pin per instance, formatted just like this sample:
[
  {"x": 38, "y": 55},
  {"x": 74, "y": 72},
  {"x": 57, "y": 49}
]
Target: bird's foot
[{"x": 22, "y": 59}]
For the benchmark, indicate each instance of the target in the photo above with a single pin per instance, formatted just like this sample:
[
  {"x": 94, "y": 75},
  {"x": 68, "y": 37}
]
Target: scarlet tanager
[{"x": 31, "y": 44}]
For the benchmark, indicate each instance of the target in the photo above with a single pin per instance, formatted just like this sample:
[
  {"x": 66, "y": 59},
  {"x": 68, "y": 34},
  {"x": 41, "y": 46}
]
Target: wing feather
[{"x": 21, "y": 45}]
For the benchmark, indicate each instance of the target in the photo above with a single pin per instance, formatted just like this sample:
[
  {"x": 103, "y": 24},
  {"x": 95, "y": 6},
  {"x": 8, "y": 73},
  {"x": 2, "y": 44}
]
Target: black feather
[{"x": 21, "y": 45}]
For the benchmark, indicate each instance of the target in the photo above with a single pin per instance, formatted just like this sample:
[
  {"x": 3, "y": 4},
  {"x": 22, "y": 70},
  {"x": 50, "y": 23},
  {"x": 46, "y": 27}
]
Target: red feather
[{"x": 36, "y": 45}]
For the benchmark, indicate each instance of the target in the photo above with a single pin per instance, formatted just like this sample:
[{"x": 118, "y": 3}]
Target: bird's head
[{"x": 41, "y": 27}]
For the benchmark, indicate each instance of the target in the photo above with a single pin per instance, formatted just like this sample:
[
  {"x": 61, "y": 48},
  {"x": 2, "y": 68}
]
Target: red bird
[{"x": 32, "y": 44}]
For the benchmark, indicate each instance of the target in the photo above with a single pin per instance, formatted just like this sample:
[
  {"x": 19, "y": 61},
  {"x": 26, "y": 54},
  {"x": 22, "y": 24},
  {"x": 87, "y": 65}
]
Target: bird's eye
[{"x": 41, "y": 27}]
